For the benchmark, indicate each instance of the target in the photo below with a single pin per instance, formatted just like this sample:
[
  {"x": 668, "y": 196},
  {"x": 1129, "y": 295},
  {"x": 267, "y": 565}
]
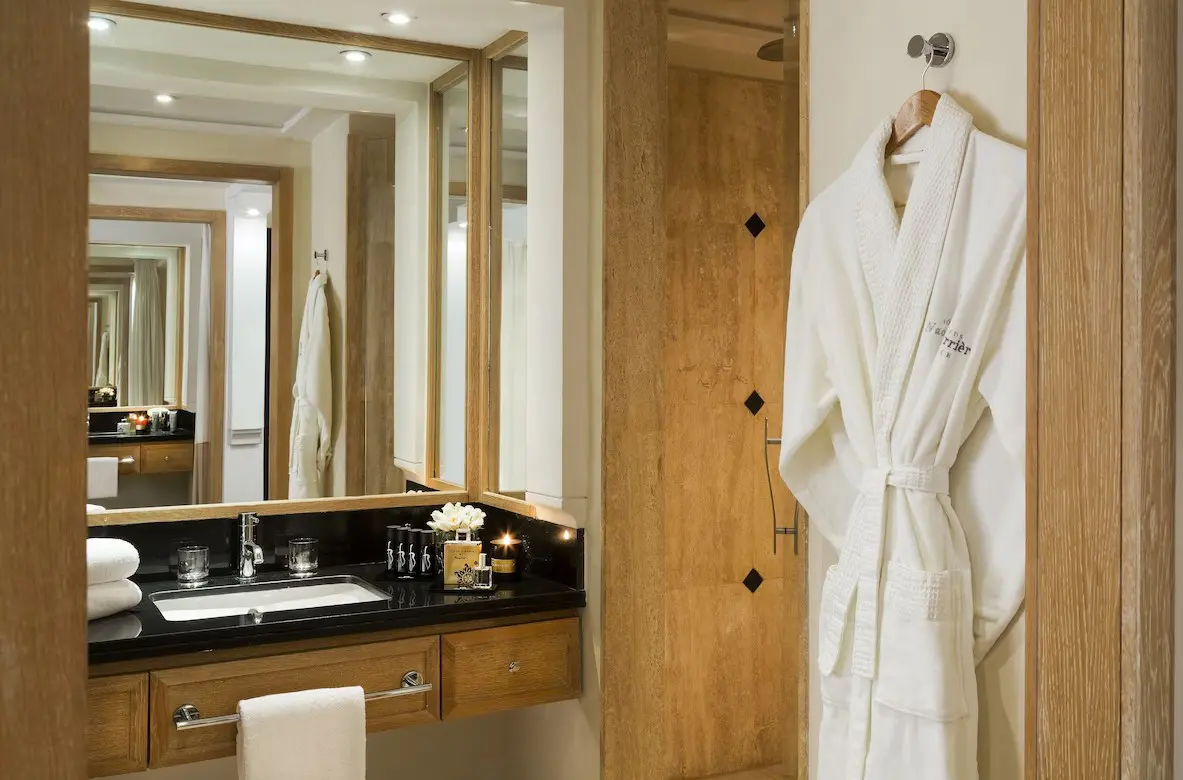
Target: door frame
[{"x": 1101, "y": 386}]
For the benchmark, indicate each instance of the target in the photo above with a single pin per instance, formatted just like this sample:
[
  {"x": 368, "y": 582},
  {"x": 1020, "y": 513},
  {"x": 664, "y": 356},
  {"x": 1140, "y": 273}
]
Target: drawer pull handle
[
  {"x": 514, "y": 666},
  {"x": 189, "y": 717},
  {"x": 127, "y": 461}
]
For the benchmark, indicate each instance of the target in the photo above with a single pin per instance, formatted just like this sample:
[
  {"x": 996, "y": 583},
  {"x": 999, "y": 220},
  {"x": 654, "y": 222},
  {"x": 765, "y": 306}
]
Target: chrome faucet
[{"x": 250, "y": 554}]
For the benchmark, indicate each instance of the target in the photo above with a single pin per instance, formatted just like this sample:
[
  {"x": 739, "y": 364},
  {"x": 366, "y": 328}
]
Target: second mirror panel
[{"x": 509, "y": 262}]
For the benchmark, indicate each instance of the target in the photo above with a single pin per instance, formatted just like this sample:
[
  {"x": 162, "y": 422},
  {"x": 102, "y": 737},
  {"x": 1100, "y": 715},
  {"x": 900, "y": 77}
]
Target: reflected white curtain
[
  {"x": 513, "y": 367},
  {"x": 198, "y": 341},
  {"x": 100, "y": 375},
  {"x": 146, "y": 363}
]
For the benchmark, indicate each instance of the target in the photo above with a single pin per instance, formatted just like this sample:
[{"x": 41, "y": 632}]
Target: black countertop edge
[
  {"x": 157, "y": 637},
  {"x": 139, "y": 438}
]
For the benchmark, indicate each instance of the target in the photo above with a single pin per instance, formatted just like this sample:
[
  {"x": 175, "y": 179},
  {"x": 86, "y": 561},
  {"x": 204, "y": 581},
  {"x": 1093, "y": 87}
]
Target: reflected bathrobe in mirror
[
  {"x": 312, "y": 408},
  {"x": 903, "y": 440}
]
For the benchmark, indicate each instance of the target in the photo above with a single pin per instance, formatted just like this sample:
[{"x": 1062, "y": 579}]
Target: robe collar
[{"x": 900, "y": 257}]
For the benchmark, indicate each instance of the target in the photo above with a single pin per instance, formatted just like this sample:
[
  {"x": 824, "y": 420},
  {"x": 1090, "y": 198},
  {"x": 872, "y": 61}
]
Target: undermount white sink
[{"x": 264, "y": 597}]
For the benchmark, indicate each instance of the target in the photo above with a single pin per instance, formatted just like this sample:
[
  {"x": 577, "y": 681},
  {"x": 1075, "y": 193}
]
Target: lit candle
[{"x": 505, "y": 559}]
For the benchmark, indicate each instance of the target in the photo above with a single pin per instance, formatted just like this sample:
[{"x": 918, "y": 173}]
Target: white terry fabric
[
  {"x": 102, "y": 477},
  {"x": 110, "y": 597},
  {"x": 108, "y": 560},
  {"x": 307, "y": 735},
  {"x": 114, "y": 628},
  {"x": 904, "y": 441},
  {"x": 312, "y": 411}
]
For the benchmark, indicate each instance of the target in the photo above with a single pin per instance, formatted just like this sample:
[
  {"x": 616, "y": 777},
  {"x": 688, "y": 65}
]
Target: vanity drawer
[
  {"x": 216, "y": 689},
  {"x": 128, "y": 454},
  {"x": 515, "y": 666},
  {"x": 166, "y": 458},
  {"x": 116, "y": 725}
]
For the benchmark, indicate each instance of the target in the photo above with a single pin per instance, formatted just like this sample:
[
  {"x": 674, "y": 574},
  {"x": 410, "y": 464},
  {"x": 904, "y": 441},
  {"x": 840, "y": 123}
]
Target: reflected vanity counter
[{"x": 145, "y": 631}]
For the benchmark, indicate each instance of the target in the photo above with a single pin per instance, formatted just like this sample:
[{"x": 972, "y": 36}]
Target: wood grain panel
[
  {"x": 726, "y": 295},
  {"x": 199, "y": 170},
  {"x": 116, "y": 725},
  {"x": 436, "y": 215},
  {"x": 633, "y": 677},
  {"x": 725, "y": 649},
  {"x": 166, "y": 458},
  {"x": 43, "y": 96},
  {"x": 161, "y": 13},
  {"x": 505, "y": 668},
  {"x": 1148, "y": 390},
  {"x": 211, "y": 464},
  {"x": 1074, "y": 507},
  {"x": 216, "y": 689},
  {"x": 370, "y": 310},
  {"x": 476, "y": 318}
]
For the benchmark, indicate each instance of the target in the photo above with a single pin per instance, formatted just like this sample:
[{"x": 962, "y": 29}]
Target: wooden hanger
[{"x": 917, "y": 112}]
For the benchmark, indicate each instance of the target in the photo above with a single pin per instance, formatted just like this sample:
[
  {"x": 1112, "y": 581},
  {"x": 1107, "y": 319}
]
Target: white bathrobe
[
  {"x": 312, "y": 411},
  {"x": 903, "y": 439}
]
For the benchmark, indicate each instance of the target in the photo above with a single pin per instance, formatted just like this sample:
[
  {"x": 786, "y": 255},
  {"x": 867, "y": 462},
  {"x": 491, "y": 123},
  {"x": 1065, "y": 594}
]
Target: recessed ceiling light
[
  {"x": 100, "y": 23},
  {"x": 398, "y": 17},
  {"x": 253, "y": 212},
  {"x": 165, "y": 98},
  {"x": 355, "y": 55}
]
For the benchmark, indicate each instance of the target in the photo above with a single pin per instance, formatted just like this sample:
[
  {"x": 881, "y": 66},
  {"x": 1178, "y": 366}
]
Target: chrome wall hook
[{"x": 937, "y": 51}]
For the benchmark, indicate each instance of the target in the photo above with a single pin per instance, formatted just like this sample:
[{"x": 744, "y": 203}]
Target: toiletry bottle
[{"x": 483, "y": 576}]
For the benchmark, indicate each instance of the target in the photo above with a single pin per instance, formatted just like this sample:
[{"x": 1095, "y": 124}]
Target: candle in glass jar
[{"x": 506, "y": 567}]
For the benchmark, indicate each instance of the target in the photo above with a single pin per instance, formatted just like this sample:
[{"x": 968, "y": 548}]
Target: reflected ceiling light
[
  {"x": 355, "y": 55},
  {"x": 253, "y": 212},
  {"x": 398, "y": 17},
  {"x": 100, "y": 23},
  {"x": 164, "y": 98}
]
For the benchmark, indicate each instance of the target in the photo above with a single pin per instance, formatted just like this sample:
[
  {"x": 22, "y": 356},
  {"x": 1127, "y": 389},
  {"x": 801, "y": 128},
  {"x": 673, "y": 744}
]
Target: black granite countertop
[
  {"x": 139, "y": 438},
  {"x": 143, "y": 631}
]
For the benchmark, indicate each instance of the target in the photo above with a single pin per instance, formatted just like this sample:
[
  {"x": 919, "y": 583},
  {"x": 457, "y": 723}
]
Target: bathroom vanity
[{"x": 159, "y": 688}]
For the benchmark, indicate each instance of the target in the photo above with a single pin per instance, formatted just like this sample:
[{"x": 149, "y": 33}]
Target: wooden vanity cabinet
[
  {"x": 216, "y": 689},
  {"x": 116, "y": 724},
  {"x": 475, "y": 667},
  {"x": 164, "y": 457},
  {"x": 509, "y": 667}
]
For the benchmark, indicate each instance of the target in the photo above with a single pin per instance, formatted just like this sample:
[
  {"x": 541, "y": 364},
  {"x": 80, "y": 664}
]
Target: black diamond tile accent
[
  {"x": 753, "y": 581},
  {"x": 754, "y": 403},
  {"x": 755, "y": 225}
]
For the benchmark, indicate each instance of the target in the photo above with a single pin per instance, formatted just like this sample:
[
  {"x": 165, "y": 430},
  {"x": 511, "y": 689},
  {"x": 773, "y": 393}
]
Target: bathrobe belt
[{"x": 867, "y": 551}]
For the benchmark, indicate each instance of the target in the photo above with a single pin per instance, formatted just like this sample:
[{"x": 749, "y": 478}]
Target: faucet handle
[
  {"x": 248, "y": 518},
  {"x": 258, "y": 554}
]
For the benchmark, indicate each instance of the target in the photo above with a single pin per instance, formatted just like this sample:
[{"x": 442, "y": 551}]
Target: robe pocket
[
  {"x": 922, "y": 652},
  {"x": 834, "y": 651}
]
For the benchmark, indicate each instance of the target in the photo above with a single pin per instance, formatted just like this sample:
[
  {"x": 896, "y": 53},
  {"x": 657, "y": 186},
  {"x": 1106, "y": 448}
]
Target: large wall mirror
[
  {"x": 509, "y": 217},
  {"x": 268, "y": 216}
]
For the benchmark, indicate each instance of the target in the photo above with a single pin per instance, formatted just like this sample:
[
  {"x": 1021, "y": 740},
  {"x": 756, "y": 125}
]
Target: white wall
[{"x": 853, "y": 87}]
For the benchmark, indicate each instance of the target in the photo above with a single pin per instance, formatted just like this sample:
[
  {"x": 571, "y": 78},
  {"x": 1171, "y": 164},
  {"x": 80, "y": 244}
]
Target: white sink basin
[{"x": 264, "y": 597}]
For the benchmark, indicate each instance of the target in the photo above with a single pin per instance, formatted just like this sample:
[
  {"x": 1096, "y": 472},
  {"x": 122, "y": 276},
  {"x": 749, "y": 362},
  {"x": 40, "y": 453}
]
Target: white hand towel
[
  {"x": 125, "y": 626},
  {"x": 307, "y": 735},
  {"x": 111, "y": 597},
  {"x": 110, "y": 560},
  {"x": 102, "y": 477}
]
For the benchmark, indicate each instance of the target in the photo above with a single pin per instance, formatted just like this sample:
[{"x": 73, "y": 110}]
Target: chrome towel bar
[{"x": 188, "y": 717}]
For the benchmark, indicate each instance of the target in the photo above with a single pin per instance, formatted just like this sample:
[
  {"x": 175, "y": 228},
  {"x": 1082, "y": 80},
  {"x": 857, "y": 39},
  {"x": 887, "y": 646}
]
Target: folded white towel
[
  {"x": 92, "y": 508},
  {"x": 102, "y": 477},
  {"x": 307, "y": 735},
  {"x": 111, "y": 597},
  {"x": 125, "y": 626},
  {"x": 109, "y": 560}
]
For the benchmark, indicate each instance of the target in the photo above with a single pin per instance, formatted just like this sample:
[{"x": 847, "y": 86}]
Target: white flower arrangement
[{"x": 457, "y": 517}]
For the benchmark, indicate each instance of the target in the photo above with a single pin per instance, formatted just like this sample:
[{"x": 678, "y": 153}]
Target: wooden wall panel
[
  {"x": 1148, "y": 390},
  {"x": 370, "y": 244},
  {"x": 725, "y": 298},
  {"x": 633, "y": 678},
  {"x": 43, "y": 95},
  {"x": 1101, "y": 319}
]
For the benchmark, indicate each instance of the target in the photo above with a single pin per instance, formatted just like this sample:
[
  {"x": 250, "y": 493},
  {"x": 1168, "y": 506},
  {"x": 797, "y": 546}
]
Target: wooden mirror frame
[{"x": 280, "y": 400}]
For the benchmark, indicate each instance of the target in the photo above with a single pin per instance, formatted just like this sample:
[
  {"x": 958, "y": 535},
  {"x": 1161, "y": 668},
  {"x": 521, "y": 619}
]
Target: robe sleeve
[
  {"x": 808, "y": 461},
  {"x": 997, "y": 541}
]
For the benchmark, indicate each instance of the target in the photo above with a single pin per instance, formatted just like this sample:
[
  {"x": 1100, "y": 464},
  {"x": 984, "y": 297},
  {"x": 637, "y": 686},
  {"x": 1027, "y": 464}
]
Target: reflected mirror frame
[
  {"x": 477, "y": 74},
  {"x": 499, "y": 56}
]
